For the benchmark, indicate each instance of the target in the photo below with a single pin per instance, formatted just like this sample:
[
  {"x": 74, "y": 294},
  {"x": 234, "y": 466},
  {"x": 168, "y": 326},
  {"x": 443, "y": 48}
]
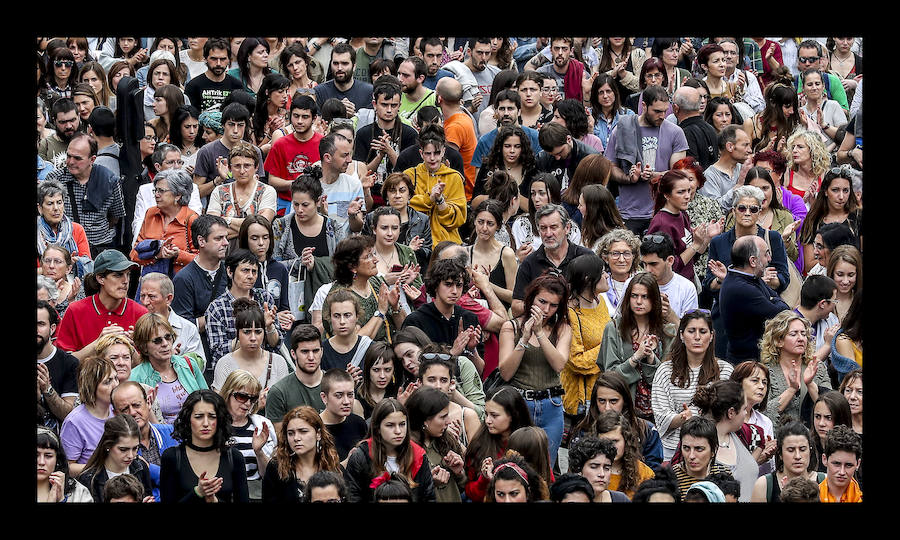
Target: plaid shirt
[
  {"x": 220, "y": 324},
  {"x": 752, "y": 53},
  {"x": 96, "y": 223}
]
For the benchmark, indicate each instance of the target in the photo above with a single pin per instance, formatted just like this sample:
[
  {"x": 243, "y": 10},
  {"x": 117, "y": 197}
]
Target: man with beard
[
  {"x": 411, "y": 74},
  {"x": 561, "y": 153},
  {"x": 53, "y": 148},
  {"x": 432, "y": 50},
  {"x": 291, "y": 154},
  {"x": 484, "y": 73},
  {"x": 209, "y": 90},
  {"x": 57, "y": 372},
  {"x": 507, "y": 105},
  {"x": 343, "y": 193},
  {"x": 304, "y": 388},
  {"x": 379, "y": 144},
  {"x": 353, "y": 93},
  {"x": 564, "y": 67}
]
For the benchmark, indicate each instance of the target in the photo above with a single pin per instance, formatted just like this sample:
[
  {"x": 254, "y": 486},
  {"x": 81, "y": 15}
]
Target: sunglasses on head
[
  {"x": 743, "y": 208},
  {"x": 243, "y": 397},
  {"x": 159, "y": 340},
  {"x": 655, "y": 238},
  {"x": 439, "y": 356}
]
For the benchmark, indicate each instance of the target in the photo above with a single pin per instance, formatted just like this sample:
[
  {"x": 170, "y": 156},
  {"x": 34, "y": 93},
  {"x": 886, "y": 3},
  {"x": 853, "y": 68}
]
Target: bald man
[
  {"x": 701, "y": 137},
  {"x": 459, "y": 127}
]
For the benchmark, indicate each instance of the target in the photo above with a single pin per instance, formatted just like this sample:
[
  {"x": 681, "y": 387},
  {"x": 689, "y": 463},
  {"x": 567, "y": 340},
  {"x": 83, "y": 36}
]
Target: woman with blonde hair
[
  {"x": 118, "y": 349},
  {"x": 82, "y": 428},
  {"x": 794, "y": 371},
  {"x": 807, "y": 161}
]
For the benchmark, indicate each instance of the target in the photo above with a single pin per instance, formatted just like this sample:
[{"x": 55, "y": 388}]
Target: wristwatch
[
  {"x": 378, "y": 313},
  {"x": 49, "y": 391}
]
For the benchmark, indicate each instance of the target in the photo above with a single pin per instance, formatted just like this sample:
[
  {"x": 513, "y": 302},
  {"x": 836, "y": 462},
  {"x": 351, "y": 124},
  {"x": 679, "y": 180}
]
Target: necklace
[
  {"x": 188, "y": 150},
  {"x": 588, "y": 300},
  {"x": 387, "y": 260},
  {"x": 725, "y": 444},
  {"x": 196, "y": 448}
]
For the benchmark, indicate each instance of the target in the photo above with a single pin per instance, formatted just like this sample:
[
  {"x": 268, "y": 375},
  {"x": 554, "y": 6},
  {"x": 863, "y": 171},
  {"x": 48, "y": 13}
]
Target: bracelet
[
  {"x": 440, "y": 201},
  {"x": 272, "y": 331},
  {"x": 198, "y": 493},
  {"x": 521, "y": 344}
]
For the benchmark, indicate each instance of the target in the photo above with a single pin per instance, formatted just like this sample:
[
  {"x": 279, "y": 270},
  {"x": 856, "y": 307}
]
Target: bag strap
[
  {"x": 188, "y": 358},
  {"x": 71, "y": 187},
  {"x": 581, "y": 331},
  {"x": 387, "y": 326},
  {"x": 361, "y": 349},
  {"x": 770, "y": 478},
  {"x": 268, "y": 371}
]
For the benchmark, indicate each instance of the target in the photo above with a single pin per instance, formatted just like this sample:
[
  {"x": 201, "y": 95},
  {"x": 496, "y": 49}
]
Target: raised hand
[
  {"x": 474, "y": 336},
  {"x": 810, "y": 372},
  {"x": 440, "y": 475},
  {"x": 416, "y": 243},
  {"x": 355, "y": 372},
  {"x": 523, "y": 251},
  {"x": 789, "y": 230},
  {"x": 411, "y": 292},
  {"x": 285, "y": 319},
  {"x": 57, "y": 482},
  {"x": 437, "y": 191},
  {"x": 404, "y": 395},
  {"x": 454, "y": 462},
  {"x": 322, "y": 205},
  {"x": 355, "y": 206},
  {"x": 717, "y": 268},
  {"x": 487, "y": 468},
  {"x": 307, "y": 258},
  {"x": 260, "y": 436},
  {"x": 369, "y": 179},
  {"x": 462, "y": 339},
  {"x": 222, "y": 167}
]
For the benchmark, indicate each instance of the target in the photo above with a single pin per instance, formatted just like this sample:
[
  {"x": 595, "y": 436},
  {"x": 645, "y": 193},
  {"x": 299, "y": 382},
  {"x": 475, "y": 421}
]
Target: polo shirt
[
  {"x": 86, "y": 318},
  {"x": 535, "y": 264}
]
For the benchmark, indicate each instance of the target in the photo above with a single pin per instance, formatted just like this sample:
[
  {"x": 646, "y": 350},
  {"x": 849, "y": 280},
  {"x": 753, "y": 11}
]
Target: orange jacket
[{"x": 178, "y": 230}]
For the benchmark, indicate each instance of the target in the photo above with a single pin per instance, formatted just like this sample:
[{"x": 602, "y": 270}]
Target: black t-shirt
[
  {"x": 346, "y": 434},
  {"x": 63, "y": 370},
  {"x": 301, "y": 241},
  {"x": 206, "y": 94},
  {"x": 333, "y": 359},
  {"x": 366, "y": 134}
]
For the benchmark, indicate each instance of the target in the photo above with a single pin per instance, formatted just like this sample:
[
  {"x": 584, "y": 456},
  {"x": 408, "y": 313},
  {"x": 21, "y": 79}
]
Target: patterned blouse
[{"x": 703, "y": 209}]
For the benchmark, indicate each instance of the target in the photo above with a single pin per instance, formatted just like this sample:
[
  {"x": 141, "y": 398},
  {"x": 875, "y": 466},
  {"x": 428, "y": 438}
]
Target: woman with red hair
[{"x": 701, "y": 209}]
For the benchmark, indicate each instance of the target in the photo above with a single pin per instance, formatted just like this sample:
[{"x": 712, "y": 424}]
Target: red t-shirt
[
  {"x": 492, "y": 345},
  {"x": 86, "y": 318},
  {"x": 288, "y": 157}
]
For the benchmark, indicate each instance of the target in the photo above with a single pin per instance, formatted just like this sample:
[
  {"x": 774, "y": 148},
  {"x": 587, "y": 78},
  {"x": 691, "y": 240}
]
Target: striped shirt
[
  {"x": 685, "y": 480},
  {"x": 243, "y": 441}
]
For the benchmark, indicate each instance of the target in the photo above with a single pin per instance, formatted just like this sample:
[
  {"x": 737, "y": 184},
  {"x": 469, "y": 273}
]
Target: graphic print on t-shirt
[
  {"x": 300, "y": 162},
  {"x": 649, "y": 145}
]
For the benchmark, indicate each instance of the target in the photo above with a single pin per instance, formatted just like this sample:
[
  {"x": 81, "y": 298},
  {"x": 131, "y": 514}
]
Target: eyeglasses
[
  {"x": 549, "y": 89},
  {"x": 620, "y": 255},
  {"x": 63, "y": 63},
  {"x": 742, "y": 208},
  {"x": 159, "y": 340},
  {"x": 656, "y": 75},
  {"x": 178, "y": 162},
  {"x": 150, "y": 138},
  {"x": 807, "y": 59},
  {"x": 243, "y": 397},
  {"x": 160, "y": 191}
]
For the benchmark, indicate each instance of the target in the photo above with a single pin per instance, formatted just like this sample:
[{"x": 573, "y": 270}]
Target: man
[
  {"x": 745, "y": 301},
  {"x": 644, "y": 147},
  {"x": 157, "y": 293},
  {"x": 752, "y": 100},
  {"x": 484, "y": 73},
  {"x": 568, "y": 71},
  {"x": 346, "y": 426},
  {"x": 410, "y": 157},
  {"x": 507, "y": 106},
  {"x": 818, "y": 301},
  {"x": 379, "y": 144},
  {"x": 304, "y": 387},
  {"x": 165, "y": 156},
  {"x": 102, "y": 125},
  {"x": 411, "y": 73},
  {"x": 555, "y": 252},
  {"x": 291, "y": 154},
  {"x": 343, "y": 193},
  {"x": 57, "y": 372},
  {"x": 809, "y": 56},
  {"x": 842, "y": 457},
  {"x": 94, "y": 196},
  {"x": 441, "y": 319},
  {"x": 209, "y": 89},
  {"x": 373, "y": 48},
  {"x": 701, "y": 137},
  {"x": 211, "y": 167},
  {"x": 678, "y": 294},
  {"x": 560, "y": 153},
  {"x": 355, "y": 94},
  {"x": 459, "y": 129},
  {"x": 721, "y": 176},
  {"x": 131, "y": 398},
  {"x": 203, "y": 279},
  {"x": 432, "y": 50},
  {"x": 65, "y": 116}
]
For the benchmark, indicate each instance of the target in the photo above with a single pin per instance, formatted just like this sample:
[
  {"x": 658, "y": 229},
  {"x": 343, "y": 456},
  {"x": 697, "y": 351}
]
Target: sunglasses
[
  {"x": 807, "y": 59},
  {"x": 159, "y": 340},
  {"x": 243, "y": 397},
  {"x": 439, "y": 356},
  {"x": 843, "y": 170},
  {"x": 743, "y": 208},
  {"x": 655, "y": 238},
  {"x": 63, "y": 63}
]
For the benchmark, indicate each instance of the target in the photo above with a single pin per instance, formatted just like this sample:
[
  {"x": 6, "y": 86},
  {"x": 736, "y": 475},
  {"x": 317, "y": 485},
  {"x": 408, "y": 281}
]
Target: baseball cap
[{"x": 111, "y": 260}]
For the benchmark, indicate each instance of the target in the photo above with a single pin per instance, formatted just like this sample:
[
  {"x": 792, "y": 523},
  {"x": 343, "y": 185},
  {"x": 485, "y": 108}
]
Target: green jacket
[
  {"x": 614, "y": 354},
  {"x": 190, "y": 379}
]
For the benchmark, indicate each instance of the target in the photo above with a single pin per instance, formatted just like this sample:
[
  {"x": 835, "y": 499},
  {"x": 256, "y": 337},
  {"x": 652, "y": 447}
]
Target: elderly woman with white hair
[
  {"x": 164, "y": 241},
  {"x": 46, "y": 290}
]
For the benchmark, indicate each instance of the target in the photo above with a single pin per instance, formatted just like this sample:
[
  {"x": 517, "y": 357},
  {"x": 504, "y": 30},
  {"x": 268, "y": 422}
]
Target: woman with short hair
[
  {"x": 619, "y": 249},
  {"x": 246, "y": 195},
  {"x": 698, "y": 444},
  {"x": 83, "y": 427},
  {"x": 168, "y": 224}
]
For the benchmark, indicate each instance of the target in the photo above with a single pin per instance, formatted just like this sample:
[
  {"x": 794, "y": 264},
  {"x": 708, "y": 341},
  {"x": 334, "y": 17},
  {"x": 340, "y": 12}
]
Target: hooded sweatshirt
[{"x": 444, "y": 223}]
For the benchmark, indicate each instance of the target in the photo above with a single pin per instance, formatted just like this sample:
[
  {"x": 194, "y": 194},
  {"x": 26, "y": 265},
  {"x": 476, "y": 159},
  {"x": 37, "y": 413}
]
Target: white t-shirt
[
  {"x": 682, "y": 294},
  {"x": 319, "y": 299},
  {"x": 194, "y": 68},
  {"x": 340, "y": 194}
]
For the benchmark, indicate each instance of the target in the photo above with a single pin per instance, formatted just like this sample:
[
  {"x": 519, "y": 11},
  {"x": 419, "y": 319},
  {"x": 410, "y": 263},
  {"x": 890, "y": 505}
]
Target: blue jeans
[{"x": 548, "y": 415}]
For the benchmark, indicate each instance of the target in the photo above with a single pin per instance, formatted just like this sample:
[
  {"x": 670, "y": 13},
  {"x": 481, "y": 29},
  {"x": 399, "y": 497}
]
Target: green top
[
  {"x": 288, "y": 393},
  {"x": 535, "y": 372},
  {"x": 190, "y": 379}
]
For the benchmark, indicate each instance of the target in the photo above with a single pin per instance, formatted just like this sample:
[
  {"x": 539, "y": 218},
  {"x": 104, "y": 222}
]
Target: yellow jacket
[
  {"x": 581, "y": 370},
  {"x": 444, "y": 223}
]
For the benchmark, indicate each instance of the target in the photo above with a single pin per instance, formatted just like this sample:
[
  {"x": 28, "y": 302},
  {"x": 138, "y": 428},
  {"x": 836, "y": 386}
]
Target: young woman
[
  {"x": 754, "y": 379},
  {"x": 830, "y": 410},
  {"x": 130, "y": 50},
  {"x": 271, "y": 109},
  {"x": 345, "y": 349},
  {"x": 166, "y": 100},
  {"x": 701, "y": 209},
  {"x": 429, "y": 422},
  {"x": 852, "y": 389},
  {"x": 256, "y": 236},
  {"x": 252, "y": 64},
  {"x": 294, "y": 62},
  {"x": 817, "y": 112},
  {"x": 415, "y": 228},
  {"x": 388, "y": 449},
  {"x": 571, "y": 114},
  {"x": 85, "y": 100},
  {"x": 807, "y": 161},
  {"x": 512, "y": 154},
  {"x": 83, "y": 427},
  {"x": 113, "y": 75},
  {"x": 628, "y": 470},
  {"x": 486, "y": 252},
  {"x": 379, "y": 382},
  {"x": 513, "y": 480},
  {"x": 835, "y": 202},
  {"x": 183, "y": 134},
  {"x": 535, "y": 112},
  {"x": 622, "y": 63},
  {"x": 544, "y": 189},
  {"x": 619, "y": 249},
  {"x": 533, "y": 350},
  {"x": 606, "y": 106},
  {"x": 845, "y": 268},
  {"x": 211, "y": 124},
  {"x": 505, "y": 411},
  {"x": 531, "y": 443},
  {"x": 689, "y": 365},
  {"x": 698, "y": 443},
  {"x": 204, "y": 428},
  {"x": 252, "y": 434},
  {"x": 795, "y": 457},
  {"x": 593, "y": 459},
  {"x": 116, "y": 453},
  {"x": 600, "y": 215},
  {"x": 711, "y": 59},
  {"x": 396, "y": 262},
  {"x": 780, "y": 117},
  {"x": 653, "y": 73},
  {"x": 305, "y": 447},
  {"x": 54, "y": 483},
  {"x": 720, "y": 113},
  {"x": 408, "y": 344},
  {"x": 593, "y": 169},
  {"x": 436, "y": 370},
  {"x": 635, "y": 342}
]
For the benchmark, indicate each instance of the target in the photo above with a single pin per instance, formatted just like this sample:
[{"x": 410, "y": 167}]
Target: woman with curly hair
[
  {"x": 807, "y": 161},
  {"x": 512, "y": 154},
  {"x": 204, "y": 428},
  {"x": 619, "y": 249},
  {"x": 795, "y": 372},
  {"x": 593, "y": 458},
  {"x": 628, "y": 470},
  {"x": 304, "y": 448}
]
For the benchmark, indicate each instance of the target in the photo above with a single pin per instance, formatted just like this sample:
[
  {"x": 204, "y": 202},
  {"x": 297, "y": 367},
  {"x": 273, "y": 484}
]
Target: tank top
[
  {"x": 817, "y": 182},
  {"x": 301, "y": 241},
  {"x": 497, "y": 275},
  {"x": 534, "y": 371}
]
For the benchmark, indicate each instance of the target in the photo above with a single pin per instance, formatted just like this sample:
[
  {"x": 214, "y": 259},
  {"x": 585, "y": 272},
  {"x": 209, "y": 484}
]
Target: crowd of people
[{"x": 449, "y": 269}]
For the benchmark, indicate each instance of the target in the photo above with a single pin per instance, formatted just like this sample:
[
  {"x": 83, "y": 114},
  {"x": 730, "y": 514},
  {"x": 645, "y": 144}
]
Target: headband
[
  {"x": 46, "y": 431},
  {"x": 513, "y": 466}
]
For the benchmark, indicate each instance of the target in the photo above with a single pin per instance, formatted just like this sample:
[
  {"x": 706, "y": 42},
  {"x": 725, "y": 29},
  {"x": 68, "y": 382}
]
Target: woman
[
  {"x": 589, "y": 312},
  {"x": 113, "y": 75},
  {"x": 252, "y": 434},
  {"x": 440, "y": 194},
  {"x": 600, "y": 215},
  {"x": 845, "y": 63},
  {"x": 653, "y": 73},
  {"x": 830, "y": 410},
  {"x": 388, "y": 449},
  {"x": 593, "y": 459},
  {"x": 79, "y": 48},
  {"x": 211, "y": 123},
  {"x": 754, "y": 379},
  {"x": 511, "y": 153},
  {"x": 544, "y": 190},
  {"x": 396, "y": 262},
  {"x": 807, "y": 161},
  {"x": 204, "y": 428},
  {"x": 429, "y": 412},
  {"x": 691, "y": 364},
  {"x": 571, "y": 114},
  {"x": 168, "y": 224},
  {"x": 54, "y": 481},
  {"x": 246, "y": 195},
  {"x": 501, "y": 53},
  {"x": 116, "y": 453},
  {"x": 794, "y": 370},
  {"x": 711, "y": 59},
  {"x": 438, "y": 369},
  {"x": 698, "y": 443},
  {"x": 795, "y": 457},
  {"x": 606, "y": 106},
  {"x": 635, "y": 342},
  {"x": 513, "y": 480},
  {"x": 60, "y": 78},
  {"x": 817, "y": 112},
  {"x": 294, "y": 62},
  {"x": 594, "y": 169},
  {"x": 779, "y": 118},
  {"x": 172, "y": 46},
  {"x": 489, "y": 254},
  {"x": 701, "y": 209},
  {"x": 85, "y": 100},
  {"x": 173, "y": 376},
  {"x": 250, "y": 356},
  {"x": 720, "y": 113},
  {"x": 256, "y": 236},
  {"x": 271, "y": 110},
  {"x": 183, "y": 134},
  {"x": 162, "y": 72},
  {"x": 531, "y": 443},
  {"x": 54, "y": 227},
  {"x": 252, "y": 60},
  {"x": 619, "y": 250},
  {"x": 666, "y": 50},
  {"x": 43, "y": 132},
  {"x": 845, "y": 268},
  {"x": 415, "y": 228},
  {"x": 673, "y": 196},
  {"x": 130, "y": 50},
  {"x": 305, "y": 447},
  {"x": 146, "y": 145},
  {"x": 621, "y": 62},
  {"x": 846, "y": 348},
  {"x": 379, "y": 378},
  {"x": 852, "y": 389},
  {"x": 772, "y": 58},
  {"x": 117, "y": 348},
  {"x": 534, "y": 112},
  {"x": 505, "y": 411},
  {"x": 628, "y": 471},
  {"x": 166, "y": 100},
  {"x": 835, "y": 202},
  {"x": 82, "y": 428},
  {"x": 408, "y": 344}
]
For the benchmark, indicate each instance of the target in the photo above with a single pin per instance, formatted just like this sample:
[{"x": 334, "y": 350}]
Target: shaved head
[{"x": 449, "y": 89}]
